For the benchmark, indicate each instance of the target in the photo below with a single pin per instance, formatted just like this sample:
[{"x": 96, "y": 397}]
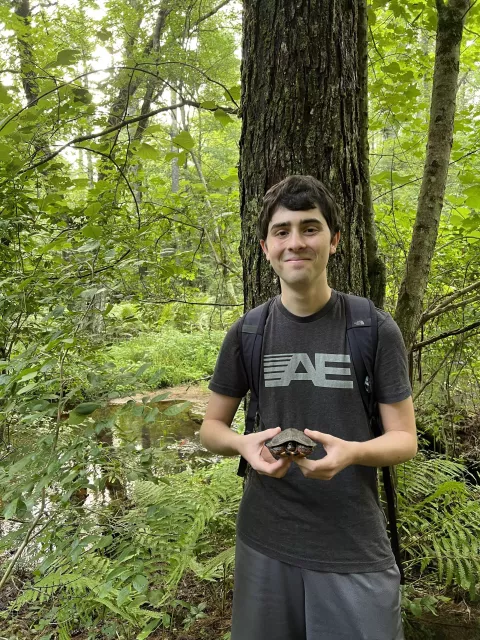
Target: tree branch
[
  {"x": 210, "y": 13},
  {"x": 202, "y": 304},
  {"x": 440, "y": 307},
  {"x": 446, "y": 334},
  {"x": 59, "y": 86},
  {"x": 100, "y": 134},
  {"x": 428, "y": 316}
]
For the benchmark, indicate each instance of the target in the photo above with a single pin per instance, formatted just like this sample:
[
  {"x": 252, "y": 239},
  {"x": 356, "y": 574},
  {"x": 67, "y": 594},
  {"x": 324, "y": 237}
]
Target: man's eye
[{"x": 311, "y": 230}]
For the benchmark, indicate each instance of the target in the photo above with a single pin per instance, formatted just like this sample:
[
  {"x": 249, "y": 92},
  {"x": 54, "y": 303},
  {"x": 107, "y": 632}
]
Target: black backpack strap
[
  {"x": 362, "y": 337},
  {"x": 251, "y": 330}
]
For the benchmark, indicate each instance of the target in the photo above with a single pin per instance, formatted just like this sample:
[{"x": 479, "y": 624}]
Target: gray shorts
[{"x": 277, "y": 601}]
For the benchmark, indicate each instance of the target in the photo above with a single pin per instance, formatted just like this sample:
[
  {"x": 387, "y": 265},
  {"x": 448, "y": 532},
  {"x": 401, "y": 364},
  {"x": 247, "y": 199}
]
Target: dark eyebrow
[{"x": 281, "y": 225}]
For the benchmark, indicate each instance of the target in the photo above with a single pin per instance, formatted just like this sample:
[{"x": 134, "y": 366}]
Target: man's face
[{"x": 298, "y": 246}]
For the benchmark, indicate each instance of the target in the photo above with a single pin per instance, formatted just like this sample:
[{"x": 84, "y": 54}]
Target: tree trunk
[
  {"x": 376, "y": 267},
  {"x": 451, "y": 17},
  {"x": 27, "y": 62},
  {"x": 302, "y": 108}
]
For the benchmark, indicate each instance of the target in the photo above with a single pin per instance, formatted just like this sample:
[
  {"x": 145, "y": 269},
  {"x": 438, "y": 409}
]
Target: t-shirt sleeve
[
  {"x": 229, "y": 376},
  {"x": 392, "y": 383}
]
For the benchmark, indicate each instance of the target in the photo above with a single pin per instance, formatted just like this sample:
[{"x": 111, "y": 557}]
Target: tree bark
[
  {"x": 27, "y": 62},
  {"x": 408, "y": 312},
  {"x": 377, "y": 277},
  {"x": 301, "y": 111}
]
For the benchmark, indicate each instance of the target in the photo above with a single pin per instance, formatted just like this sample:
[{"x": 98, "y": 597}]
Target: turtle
[{"x": 290, "y": 442}]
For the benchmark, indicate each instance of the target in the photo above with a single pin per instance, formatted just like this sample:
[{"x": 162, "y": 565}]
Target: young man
[{"x": 313, "y": 559}]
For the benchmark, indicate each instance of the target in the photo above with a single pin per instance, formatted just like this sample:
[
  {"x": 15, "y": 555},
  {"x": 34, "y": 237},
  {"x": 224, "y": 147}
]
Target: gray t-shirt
[{"x": 308, "y": 381}]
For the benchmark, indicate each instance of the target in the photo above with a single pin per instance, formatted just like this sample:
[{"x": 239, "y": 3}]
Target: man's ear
[
  {"x": 263, "y": 244},
  {"x": 334, "y": 242}
]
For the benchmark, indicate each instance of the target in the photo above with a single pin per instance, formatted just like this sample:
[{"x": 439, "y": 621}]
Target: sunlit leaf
[
  {"x": 175, "y": 409},
  {"x": 184, "y": 140},
  {"x": 5, "y": 97}
]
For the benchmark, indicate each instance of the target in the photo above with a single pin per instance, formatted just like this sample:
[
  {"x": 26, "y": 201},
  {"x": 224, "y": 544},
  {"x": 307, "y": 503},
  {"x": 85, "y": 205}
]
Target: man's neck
[{"x": 305, "y": 303}]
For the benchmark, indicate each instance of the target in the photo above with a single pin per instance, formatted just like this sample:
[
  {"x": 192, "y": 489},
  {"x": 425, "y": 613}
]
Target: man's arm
[
  {"x": 216, "y": 436},
  {"x": 215, "y": 432},
  {"x": 398, "y": 444}
]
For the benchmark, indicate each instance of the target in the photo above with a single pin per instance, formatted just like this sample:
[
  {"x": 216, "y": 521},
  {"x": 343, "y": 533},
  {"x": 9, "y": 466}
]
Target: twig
[
  {"x": 25, "y": 542},
  {"x": 430, "y": 380},
  {"x": 204, "y": 304}
]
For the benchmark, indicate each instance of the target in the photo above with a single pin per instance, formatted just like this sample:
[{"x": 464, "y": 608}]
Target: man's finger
[
  {"x": 268, "y": 434},
  {"x": 318, "y": 436},
  {"x": 306, "y": 464},
  {"x": 269, "y": 468}
]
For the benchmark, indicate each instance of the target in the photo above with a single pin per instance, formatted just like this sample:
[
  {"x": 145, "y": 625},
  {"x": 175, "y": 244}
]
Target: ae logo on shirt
[{"x": 280, "y": 369}]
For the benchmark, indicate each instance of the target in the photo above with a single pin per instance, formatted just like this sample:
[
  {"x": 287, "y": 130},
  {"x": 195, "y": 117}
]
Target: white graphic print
[{"x": 280, "y": 369}]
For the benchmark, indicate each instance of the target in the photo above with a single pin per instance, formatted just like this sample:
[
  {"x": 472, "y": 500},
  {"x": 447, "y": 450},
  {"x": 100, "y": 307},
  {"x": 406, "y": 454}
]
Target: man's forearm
[
  {"x": 217, "y": 437},
  {"x": 388, "y": 449}
]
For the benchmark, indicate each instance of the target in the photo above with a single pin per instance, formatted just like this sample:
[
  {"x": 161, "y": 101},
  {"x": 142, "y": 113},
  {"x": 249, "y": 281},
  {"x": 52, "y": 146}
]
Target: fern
[
  {"x": 180, "y": 512},
  {"x": 440, "y": 517}
]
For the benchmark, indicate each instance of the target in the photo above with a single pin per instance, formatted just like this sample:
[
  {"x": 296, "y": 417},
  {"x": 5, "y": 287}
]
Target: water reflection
[{"x": 148, "y": 425}]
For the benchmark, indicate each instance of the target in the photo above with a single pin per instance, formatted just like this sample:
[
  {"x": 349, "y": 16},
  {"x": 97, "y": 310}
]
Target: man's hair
[{"x": 298, "y": 193}]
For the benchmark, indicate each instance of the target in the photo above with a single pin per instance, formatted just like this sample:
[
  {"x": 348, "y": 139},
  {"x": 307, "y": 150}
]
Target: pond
[{"x": 169, "y": 421}]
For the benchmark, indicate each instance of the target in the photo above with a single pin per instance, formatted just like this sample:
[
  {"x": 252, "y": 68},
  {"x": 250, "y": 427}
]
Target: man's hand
[
  {"x": 252, "y": 448},
  {"x": 340, "y": 454}
]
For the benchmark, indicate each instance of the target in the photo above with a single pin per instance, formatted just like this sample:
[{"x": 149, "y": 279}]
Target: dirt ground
[{"x": 194, "y": 393}]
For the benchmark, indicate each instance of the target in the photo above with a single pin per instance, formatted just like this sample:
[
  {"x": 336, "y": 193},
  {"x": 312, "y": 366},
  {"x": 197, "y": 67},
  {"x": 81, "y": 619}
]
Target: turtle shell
[{"x": 290, "y": 442}]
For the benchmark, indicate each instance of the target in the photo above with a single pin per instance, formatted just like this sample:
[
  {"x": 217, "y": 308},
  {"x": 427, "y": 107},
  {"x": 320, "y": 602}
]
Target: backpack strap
[
  {"x": 362, "y": 337},
  {"x": 251, "y": 329}
]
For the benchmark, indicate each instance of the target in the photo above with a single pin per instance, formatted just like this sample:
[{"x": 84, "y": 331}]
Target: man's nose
[{"x": 296, "y": 239}]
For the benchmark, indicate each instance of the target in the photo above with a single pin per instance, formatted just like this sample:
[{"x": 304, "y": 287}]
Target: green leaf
[
  {"x": 104, "y": 35},
  {"x": 93, "y": 208},
  {"x": 208, "y": 104},
  {"x": 147, "y": 152},
  {"x": 147, "y": 629},
  {"x": 222, "y": 117},
  {"x": 123, "y": 595},
  {"x": 140, "y": 583},
  {"x": 234, "y": 92},
  {"x": 5, "y": 151},
  {"x": 28, "y": 376},
  {"x": 86, "y": 408},
  {"x": 105, "y": 542},
  {"x": 153, "y": 128},
  {"x": 81, "y": 95},
  {"x": 9, "y": 128},
  {"x": 67, "y": 57},
  {"x": 142, "y": 369},
  {"x": 10, "y": 510},
  {"x": 473, "y": 202},
  {"x": 92, "y": 231},
  {"x": 392, "y": 68},
  {"x": 5, "y": 97},
  {"x": 175, "y": 409},
  {"x": 181, "y": 156},
  {"x": 184, "y": 140},
  {"x": 28, "y": 388},
  {"x": 159, "y": 398}
]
